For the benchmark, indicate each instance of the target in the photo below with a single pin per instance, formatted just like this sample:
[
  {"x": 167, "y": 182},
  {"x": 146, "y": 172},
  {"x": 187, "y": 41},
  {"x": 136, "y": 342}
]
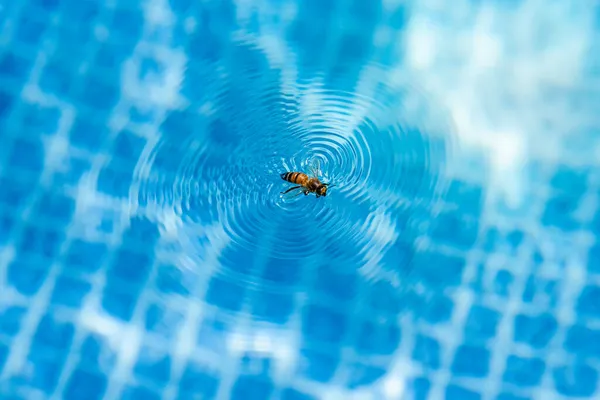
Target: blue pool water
[{"x": 146, "y": 252}]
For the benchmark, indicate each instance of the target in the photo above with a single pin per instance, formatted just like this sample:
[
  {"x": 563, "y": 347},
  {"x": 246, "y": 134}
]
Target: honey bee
[{"x": 306, "y": 184}]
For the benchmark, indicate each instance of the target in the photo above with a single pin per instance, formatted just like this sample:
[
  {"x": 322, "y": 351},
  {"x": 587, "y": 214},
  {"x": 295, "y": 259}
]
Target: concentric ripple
[{"x": 220, "y": 159}]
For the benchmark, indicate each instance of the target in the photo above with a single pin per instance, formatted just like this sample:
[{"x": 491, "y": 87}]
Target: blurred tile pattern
[{"x": 98, "y": 301}]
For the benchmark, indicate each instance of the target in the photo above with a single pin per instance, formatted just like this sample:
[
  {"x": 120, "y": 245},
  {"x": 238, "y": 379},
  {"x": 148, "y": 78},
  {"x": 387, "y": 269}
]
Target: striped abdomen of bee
[{"x": 299, "y": 178}]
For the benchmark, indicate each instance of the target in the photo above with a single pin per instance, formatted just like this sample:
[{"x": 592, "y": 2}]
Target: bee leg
[
  {"x": 290, "y": 189},
  {"x": 305, "y": 192}
]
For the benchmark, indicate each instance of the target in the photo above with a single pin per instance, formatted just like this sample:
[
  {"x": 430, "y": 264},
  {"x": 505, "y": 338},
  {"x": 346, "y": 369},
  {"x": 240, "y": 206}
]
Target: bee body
[{"x": 305, "y": 183}]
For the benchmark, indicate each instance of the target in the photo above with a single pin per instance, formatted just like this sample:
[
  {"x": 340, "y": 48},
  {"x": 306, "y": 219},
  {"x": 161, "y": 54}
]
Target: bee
[{"x": 306, "y": 184}]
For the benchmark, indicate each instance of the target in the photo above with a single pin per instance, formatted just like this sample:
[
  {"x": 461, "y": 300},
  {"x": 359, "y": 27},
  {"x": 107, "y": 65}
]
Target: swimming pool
[{"x": 147, "y": 252}]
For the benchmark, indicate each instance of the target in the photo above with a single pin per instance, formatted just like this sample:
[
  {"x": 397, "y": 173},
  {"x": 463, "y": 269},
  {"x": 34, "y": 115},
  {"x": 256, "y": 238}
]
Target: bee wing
[
  {"x": 316, "y": 168},
  {"x": 293, "y": 193}
]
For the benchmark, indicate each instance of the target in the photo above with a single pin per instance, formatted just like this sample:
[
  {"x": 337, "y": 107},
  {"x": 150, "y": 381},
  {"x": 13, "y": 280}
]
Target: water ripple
[{"x": 383, "y": 146}]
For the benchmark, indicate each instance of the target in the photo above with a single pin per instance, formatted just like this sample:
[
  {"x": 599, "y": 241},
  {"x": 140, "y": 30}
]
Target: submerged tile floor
[{"x": 100, "y": 300}]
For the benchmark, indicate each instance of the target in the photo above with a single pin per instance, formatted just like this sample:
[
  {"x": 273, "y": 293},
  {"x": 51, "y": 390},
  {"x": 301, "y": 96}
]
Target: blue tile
[
  {"x": 502, "y": 283},
  {"x": 162, "y": 320},
  {"x": 85, "y": 385},
  {"x": 119, "y": 304},
  {"x": 225, "y": 295},
  {"x": 198, "y": 382},
  {"x": 53, "y": 334},
  {"x": 588, "y": 303},
  {"x": 583, "y": 341},
  {"x": 27, "y": 155},
  {"x": 304, "y": 33},
  {"x": 70, "y": 291},
  {"x": 139, "y": 393},
  {"x": 85, "y": 257},
  {"x": 250, "y": 387},
  {"x": 114, "y": 182},
  {"x": 523, "y": 371},
  {"x": 4, "y": 350},
  {"x": 177, "y": 124},
  {"x": 515, "y": 239},
  {"x": 491, "y": 240},
  {"x": 353, "y": 50},
  {"x": 56, "y": 207},
  {"x": 427, "y": 352},
  {"x": 41, "y": 242},
  {"x": 7, "y": 224},
  {"x": 43, "y": 373},
  {"x": 171, "y": 280},
  {"x": 28, "y": 28},
  {"x": 419, "y": 388},
  {"x": 399, "y": 254},
  {"x": 128, "y": 147},
  {"x": 536, "y": 331},
  {"x": 471, "y": 361},
  {"x": 377, "y": 338},
  {"x": 96, "y": 355},
  {"x": 339, "y": 284},
  {"x": 6, "y": 102},
  {"x": 438, "y": 270},
  {"x": 282, "y": 272},
  {"x": 272, "y": 307},
  {"x": 15, "y": 193},
  {"x": 14, "y": 66},
  {"x": 482, "y": 323},
  {"x": 287, "y": 394},
  {"x": 559, "y": 212},
  {"x": 37, "y": 119},
  {"x": 181, "y": 7},
  {"x": 78, "y": 10},
  {"x": 153, "y": 367},
  {"x": 322, "y": 324},
  {"x": 455, "y": 230},
  {"x": 398, "y": 19},
  {"x": 569, "y": 180},
  {"x": 71, "y": 43},
  {"x": 88, "y": 133},
  {"x": 436, "y": 309},
  {"x": 220, "y": 133},
  {"x": 360, "y": 375},
  {"x": 594, "y": 259},
  {"x": 212, "y": 334},
  {"x": 317, "y": 366},
  {"x": 46, "y": 5},
  {"x": 466, "y": 195},
  {"x": 99, "y": 94},
  {"x": 132, "y": 267},
  {"x": 10, "y": 320},
  {"x": 454, "y": 392},
  {"x": 142, "y": 232},
  {"x": 26, "y": 278},
  {"x": 57, "y": 78},
  {"x": 127, "y": 23},
  {"x": 577, "y": 380},
  {"x": 111, "y": 55},
  {"x": 240, "y": 260}
]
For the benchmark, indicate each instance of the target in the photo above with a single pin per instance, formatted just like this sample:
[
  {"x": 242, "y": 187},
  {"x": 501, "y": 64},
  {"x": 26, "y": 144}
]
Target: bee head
[{"x": 322, "y": 190}]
